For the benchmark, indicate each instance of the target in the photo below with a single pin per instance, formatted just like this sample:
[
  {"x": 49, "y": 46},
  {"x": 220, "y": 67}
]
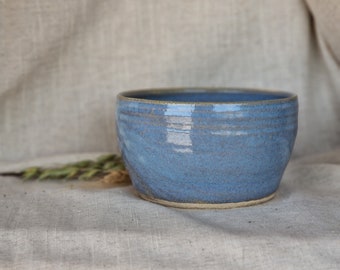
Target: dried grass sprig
[{"x": 109, "y": 168}]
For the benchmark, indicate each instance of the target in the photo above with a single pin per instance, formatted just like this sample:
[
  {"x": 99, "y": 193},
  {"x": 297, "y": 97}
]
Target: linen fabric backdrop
[{"x": 62, "y": 64}]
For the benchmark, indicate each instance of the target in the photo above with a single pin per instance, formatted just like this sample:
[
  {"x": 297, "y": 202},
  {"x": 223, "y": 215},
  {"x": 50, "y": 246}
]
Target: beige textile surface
[
  {"x": 69, "y": 226},
  {"x": 63, "y": 62}
]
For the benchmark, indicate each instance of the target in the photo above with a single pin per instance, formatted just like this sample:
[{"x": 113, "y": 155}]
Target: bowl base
[{"x": 207, "y": 205}]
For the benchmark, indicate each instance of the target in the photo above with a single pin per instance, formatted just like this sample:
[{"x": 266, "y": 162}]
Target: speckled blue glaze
[{"x": 206, "y": 145}]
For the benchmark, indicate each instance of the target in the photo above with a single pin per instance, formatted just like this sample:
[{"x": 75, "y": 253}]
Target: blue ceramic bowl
[{"x": 206, "y": 147}]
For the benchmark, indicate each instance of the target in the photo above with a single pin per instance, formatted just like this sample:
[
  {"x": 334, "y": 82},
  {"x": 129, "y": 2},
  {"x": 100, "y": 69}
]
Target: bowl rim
[{"x": 124, "y": 95}]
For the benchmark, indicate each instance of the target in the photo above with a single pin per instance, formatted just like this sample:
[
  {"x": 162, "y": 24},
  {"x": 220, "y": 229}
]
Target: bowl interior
[{"x": 209, "y": 96}]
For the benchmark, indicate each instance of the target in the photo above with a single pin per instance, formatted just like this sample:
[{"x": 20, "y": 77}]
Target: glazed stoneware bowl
[{"x": 206, "y": 147}]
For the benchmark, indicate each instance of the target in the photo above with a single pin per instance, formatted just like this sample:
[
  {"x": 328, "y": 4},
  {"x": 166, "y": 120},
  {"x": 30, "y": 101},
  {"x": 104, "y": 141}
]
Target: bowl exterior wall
[{"x": 211, "y": 153}]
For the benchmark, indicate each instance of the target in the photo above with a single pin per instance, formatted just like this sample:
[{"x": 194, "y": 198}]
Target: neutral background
[{"x": 62, "y": 64}]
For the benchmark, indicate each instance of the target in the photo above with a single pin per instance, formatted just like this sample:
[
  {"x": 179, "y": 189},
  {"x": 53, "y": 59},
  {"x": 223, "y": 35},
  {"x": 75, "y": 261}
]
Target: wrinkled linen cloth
[
  {"x": 62, "y": 64},
  {"x": 51, "y": 225}
]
